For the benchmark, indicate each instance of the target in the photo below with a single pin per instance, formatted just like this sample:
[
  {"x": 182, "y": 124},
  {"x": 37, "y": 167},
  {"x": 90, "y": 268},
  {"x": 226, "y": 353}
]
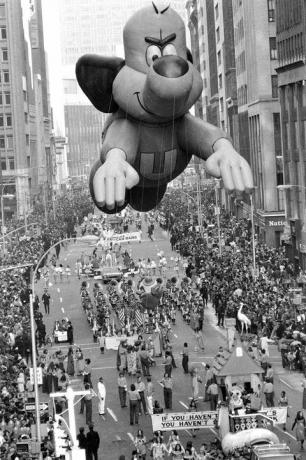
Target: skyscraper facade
[
  {"x": 291, "y": 45},
  {"x": 26, "y": 162}
]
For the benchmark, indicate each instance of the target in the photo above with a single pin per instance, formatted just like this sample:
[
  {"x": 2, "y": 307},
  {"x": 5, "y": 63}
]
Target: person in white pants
[{"x": 101, "y": 395}]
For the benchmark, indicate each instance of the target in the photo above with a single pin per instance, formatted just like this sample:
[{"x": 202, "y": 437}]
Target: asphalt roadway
[{"x": 115, "y": 431}]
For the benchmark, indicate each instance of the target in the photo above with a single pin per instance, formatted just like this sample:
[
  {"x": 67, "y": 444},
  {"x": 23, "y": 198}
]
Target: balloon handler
[{"x": 150, "y": 136}]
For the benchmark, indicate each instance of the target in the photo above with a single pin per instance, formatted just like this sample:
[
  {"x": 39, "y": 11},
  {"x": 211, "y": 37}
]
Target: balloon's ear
[
  {"x": 95, "y": 75},
  {"x": 189, "y": 56}
]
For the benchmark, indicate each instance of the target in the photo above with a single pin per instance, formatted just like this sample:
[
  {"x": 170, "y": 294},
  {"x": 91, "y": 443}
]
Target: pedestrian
[
  {"x": 101, "y": 396},
  {"x": 168, "y": 363},
  {"x": 196, "y": 379},
  {"x": 87, "y": 372},
  {"x": 46, "y": 301},
  {"x": 70, "y": 333},
  {"x": 300, "y": 424},
  {"x": 304, "y": 393},
  {"x": 283, "y": 402},
  {"x": 185, "y": 358},
  {"x": 82, "y": 440},
  {"x": 70, "y": 362},
  {"x": 140, "y": 387},
  {"x": 168, "y": 387},
  {"x": 213, "y": 393},
  {"x": 150, "y": 395},
  {"x": 122, "y": 389},
  {"x": 93, "y": 443},
  {"x": 134, "y": 400},
  {"x": 268, "y": 390},
  {"x": 101, "y": 340},
  {"x": 145, "y": 361}
]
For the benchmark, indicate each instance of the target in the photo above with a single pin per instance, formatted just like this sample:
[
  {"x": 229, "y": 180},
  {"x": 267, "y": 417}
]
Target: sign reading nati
[{"x": 184, "y": 420}]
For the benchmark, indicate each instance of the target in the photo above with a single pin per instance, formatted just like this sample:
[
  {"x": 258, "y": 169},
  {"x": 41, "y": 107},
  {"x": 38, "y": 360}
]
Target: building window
[
  {"x": 28, "y": 161},
  {"x": 3, "y": 164},
  {"x": 26, "y": 118},
  {"x": 27, "y": 139},
  {"x": 274, "y": 82},
  {"x": 3, "y": 33},
  {"x": 218, "y": 34},
  {"x": 271, "y": 10},
  {"x": 7, "y": 96},
  {"x": 220, "y": 81},
  {"x": 277, "y": 134},
  {"x": 2, "y": 142},
  {"x": 11, "y": 163},
  {"x": 8, "y": 120},
  {"x": 25, "y": 97},
  {"x": 9, "y": 140},
  {"x": 216, "y": 11},
  {"x": 273, "y": 48},
  {"x": 70, "y": 86},
  {"x": 219, "y": 57},
  {"x": 6, "y": 76},
  {"x": 4, "y": 55},
  {"x": 221, "y": 104},
  {"x": 1, "y": 99},
  {"x": 1, "y": 120},
  {"x": 2, "y": 10}
]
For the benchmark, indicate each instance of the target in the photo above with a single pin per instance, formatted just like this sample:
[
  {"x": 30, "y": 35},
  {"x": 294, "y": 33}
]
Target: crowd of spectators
[{"x": 26, "y": 248}]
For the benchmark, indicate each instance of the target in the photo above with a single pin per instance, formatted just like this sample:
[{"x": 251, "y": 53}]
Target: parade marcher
[
  {"x": 87, "y": 372},
  {"x": 122, "y": 389},
  {"x": 140, "y": 387},
  {"x": 46, "y": 301},
  {"x": 213, "y": 392},
  {"x": 150, "y": 395},
  {"x": 167, "y": 383},
  {"x": 283, "y": 402},
  {"x": 268, "y": 390},
  {"x": 134, "y": 400},
  {"x": 185, "y": 358},
  {"x": 82, "y": 439},
  {"x": 140, "y": 443},
  {"x": 101, "y": 396}
]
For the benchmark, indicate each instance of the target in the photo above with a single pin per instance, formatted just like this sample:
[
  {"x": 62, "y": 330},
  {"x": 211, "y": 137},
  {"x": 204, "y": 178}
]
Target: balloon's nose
[{"x": 171, "y": 66}]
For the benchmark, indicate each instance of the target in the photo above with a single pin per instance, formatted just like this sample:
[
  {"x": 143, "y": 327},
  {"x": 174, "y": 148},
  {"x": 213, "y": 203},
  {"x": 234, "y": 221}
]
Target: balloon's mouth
[{"x": 142, "y": 106}]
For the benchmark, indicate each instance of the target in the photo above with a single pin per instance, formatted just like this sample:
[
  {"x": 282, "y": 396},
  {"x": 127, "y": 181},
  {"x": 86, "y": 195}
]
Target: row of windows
[
  {"x": 5, "y": 119},
  {"x": 274, "y": 84},
  {"x": 242, "y": 94},
  {"x": 240, "y": 63},
  {"x": 2, "y": 10},
  {"x": 7, "y": 163},
  {"x": 288, "y": 14},
  {"x": 271, "y": 10},
  {"x": 291, "y": 49},
  {"x": 239, "y": 32},
  {"x": 5, "y": 98},
  {"x": 3, "y": 34},
  {"x": 4, "y": 55}
]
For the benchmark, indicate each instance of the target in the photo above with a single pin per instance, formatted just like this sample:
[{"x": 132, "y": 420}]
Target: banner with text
[
  {"x": 277, "y": 414},
  {"x": 120, "y": 238},
  {"x": 184, "y": 420}
]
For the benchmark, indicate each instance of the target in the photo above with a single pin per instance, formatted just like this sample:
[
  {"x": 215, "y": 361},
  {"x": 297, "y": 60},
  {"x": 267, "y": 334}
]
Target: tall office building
[
  {"x": 90, "y": 26},
  {"x": 259, "y": 110},
  {"x": 24, "y": 112},
  {"x": 291, "y": 43}
]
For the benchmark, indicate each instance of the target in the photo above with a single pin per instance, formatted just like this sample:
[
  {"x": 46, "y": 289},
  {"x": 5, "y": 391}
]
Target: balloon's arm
[
  {"x": 121, "y": 135},
  {"x": 198, "y": 137}
]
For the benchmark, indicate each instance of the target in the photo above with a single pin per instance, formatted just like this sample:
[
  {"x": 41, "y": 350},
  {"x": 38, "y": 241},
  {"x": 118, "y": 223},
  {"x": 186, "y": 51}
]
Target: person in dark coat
[
  {"x": 70, "y": 333},
  {"x": 82, "y": 439},
  {"x": 93, "y": 443}
]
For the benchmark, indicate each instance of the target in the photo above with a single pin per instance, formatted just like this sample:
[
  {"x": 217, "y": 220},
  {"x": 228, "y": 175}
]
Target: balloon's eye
[
  {"x": 169, "y": 50},
  {"x": 153, "y": 53}
]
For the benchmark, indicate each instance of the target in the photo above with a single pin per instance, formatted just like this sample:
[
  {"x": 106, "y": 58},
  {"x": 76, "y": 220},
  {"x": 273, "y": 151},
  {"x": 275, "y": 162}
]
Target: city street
[{"x": 115, "y": 431}]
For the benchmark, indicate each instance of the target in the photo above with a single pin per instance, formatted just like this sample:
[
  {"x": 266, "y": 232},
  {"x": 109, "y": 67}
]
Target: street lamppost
[
  {"x": 33, "y": 338},
  {"x": 253, "y": 237}
]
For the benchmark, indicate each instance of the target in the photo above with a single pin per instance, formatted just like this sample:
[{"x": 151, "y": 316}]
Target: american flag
[
  {"x": 139, "y": 318},
  {"x": 121, "y": 315}
]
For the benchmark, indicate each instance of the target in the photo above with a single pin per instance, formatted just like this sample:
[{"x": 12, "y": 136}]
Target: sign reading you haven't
[{"x": 184, "y": 420}]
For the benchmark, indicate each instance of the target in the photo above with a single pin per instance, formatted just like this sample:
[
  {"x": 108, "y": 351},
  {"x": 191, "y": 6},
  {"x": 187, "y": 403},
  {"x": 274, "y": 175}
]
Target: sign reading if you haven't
[{"x": 184, "y": 420}]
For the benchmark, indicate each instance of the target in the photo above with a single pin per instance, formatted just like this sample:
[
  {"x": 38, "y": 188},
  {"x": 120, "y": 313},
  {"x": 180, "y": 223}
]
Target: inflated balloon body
[{"x": 150, "y": 137}]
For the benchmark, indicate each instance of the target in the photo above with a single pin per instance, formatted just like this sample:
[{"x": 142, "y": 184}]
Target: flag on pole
[
  {"x": 121, "y": 315},
  {"x": 139, "y": 318}
]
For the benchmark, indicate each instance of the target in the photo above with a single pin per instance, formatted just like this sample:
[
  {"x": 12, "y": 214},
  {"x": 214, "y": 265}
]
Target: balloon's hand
[
  {"x": 227, "y": 164},
  {"x": 112, "y": 178}
]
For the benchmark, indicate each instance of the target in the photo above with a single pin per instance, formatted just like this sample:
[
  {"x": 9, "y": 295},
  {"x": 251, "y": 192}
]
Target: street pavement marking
[
  {"x": 285, "y": 383},
  {"x": 118, "y": 437},
  {"x": 213, "y": 431},
  {"x": 183, "y": 404},
  {"x": 188, "y": 432},
  {"x": 203, "y": 364},
  {"x": 61, "y": 299},
  {"x": 175, "y": 336},
  {"x": 130, "y": 436},
  {"x": 106, "y": 367},
  {"x": 112, "y": 414},
  {"x": 58, "y": 290},
  {"x": 63, "y": 311}
]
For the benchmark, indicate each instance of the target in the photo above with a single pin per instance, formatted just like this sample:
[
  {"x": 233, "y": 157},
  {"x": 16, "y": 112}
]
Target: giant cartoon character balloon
[{"x": 150, "y": 137}]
